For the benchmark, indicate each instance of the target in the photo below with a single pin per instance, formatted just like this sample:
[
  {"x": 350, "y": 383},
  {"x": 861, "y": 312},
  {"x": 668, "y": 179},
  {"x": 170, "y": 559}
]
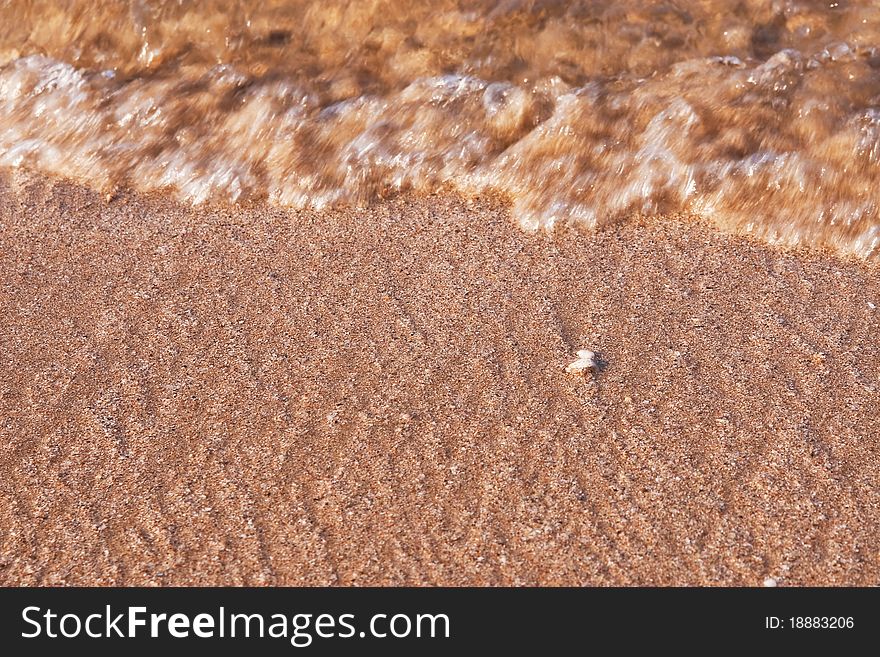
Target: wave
[{"x": 764, "y": 119}]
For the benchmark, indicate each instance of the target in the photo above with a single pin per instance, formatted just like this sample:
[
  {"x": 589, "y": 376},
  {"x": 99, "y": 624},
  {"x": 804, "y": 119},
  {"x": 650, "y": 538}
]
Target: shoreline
[{"x": 223, "y": 396}]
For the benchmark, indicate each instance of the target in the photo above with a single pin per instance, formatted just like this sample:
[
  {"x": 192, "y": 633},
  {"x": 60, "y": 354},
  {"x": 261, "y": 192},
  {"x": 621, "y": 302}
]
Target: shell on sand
[{"x": 586, "y": 361}]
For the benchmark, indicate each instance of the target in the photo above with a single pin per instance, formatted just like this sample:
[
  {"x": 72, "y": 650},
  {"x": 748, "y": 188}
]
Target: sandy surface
[{"x": 379, "y": 397}]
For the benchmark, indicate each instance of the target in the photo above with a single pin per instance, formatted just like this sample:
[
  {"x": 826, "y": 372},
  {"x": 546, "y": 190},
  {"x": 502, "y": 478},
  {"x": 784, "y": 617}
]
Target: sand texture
[{"x": 256, "y": 396}]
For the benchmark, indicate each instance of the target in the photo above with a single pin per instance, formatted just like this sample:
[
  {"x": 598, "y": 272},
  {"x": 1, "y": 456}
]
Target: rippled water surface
[{"x": 760, "y": 115}]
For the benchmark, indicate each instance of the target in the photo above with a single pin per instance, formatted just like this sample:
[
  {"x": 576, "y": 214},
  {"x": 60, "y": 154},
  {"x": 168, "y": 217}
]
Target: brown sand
[{"x": 378, "y": 397}]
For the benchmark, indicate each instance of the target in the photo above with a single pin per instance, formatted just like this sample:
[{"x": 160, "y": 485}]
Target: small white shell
[{"x": 586, "y": 361}]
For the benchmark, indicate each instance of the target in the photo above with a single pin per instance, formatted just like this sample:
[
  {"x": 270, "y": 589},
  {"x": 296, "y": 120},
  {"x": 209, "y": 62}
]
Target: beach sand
[{"x": 259, "y": 396}]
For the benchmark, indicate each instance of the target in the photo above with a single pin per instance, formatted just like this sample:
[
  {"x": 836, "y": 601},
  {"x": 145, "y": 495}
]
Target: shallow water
[{"x": 762, "y": 116}]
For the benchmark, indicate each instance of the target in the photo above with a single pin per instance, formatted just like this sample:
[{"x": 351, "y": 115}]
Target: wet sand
[{"x": 256, "y": 396}]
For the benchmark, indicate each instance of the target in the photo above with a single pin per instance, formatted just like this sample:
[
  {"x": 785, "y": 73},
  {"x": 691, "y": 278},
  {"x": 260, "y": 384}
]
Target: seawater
[{"x": 762, "y": 116}]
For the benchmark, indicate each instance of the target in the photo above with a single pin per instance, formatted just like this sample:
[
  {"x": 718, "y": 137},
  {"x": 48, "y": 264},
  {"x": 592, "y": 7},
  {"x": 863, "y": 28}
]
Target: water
[{"x": 762, "y": 116}]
